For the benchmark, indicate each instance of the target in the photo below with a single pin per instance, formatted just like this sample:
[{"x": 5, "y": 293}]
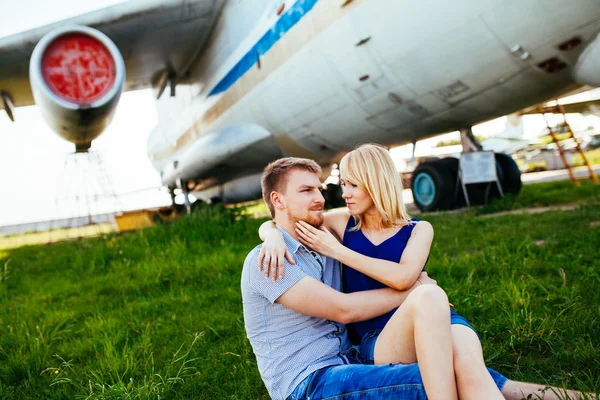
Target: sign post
[{"x": 478, "y": 167}]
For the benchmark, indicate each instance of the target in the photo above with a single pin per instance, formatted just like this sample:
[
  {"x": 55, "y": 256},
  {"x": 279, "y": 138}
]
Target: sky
[
  {"x": 36, "y": 164},
  {"x": 40, "y": 178}
]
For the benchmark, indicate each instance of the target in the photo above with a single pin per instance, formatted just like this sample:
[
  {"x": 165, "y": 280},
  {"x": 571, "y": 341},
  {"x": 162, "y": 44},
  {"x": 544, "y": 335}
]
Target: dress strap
[{"x": 351, "y": 224}]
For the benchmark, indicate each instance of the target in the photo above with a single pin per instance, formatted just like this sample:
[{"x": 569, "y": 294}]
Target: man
[{"x": 296, "y": 324}]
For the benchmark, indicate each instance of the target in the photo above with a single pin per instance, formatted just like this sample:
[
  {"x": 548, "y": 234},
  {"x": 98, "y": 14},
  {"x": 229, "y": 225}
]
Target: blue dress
[{"x": 353, "y": 281}]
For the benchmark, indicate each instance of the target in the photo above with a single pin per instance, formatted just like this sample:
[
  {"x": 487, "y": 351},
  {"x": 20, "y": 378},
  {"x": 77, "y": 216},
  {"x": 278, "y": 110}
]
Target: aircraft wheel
[
  {"x": 433, "y": 186},
  {"x": 215, "y": 200},
  {"x": 333, "y": 196},
  {"x": 511, "y": 184},
  {"x": 197, "y": 204},
  {"x": 451, "y": 164}
]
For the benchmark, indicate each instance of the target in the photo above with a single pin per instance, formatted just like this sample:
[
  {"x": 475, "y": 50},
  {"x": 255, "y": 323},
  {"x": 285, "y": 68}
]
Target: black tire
[
  {"x": 451, "y": 164},
  {"x": 333, "y": 196},
  {"x": 433, "y": 186},
  {"x": 197, "y": 204},
  {"x": 511, "y": 182}
]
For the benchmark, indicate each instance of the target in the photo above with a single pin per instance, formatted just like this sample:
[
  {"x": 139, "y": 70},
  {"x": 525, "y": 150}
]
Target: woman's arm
[
  {"x": 336, "y": 222},
  {"x": 273, "y": 251},
  {"x": 387, "y": 272}
]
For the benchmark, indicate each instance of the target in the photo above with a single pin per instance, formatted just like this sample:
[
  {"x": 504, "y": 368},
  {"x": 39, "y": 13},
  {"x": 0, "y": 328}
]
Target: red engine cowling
[{"x": 77, "y": 76}]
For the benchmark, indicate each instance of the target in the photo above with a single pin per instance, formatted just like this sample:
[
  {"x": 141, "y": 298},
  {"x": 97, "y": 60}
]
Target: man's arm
[{"x": 311, "y": 297}]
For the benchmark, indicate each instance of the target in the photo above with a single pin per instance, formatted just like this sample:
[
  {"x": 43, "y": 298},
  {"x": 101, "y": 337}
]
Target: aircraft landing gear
[
  {"x": 333, "y": 196},
  {"x": 435, "y": 185},
  {"x": 186, "y": 199},
  {"x": 172, "y": 194}
]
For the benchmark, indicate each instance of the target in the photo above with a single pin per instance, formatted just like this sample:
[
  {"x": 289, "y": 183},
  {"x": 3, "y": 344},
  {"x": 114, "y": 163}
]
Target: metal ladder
[{"x": 559, "y": 109}]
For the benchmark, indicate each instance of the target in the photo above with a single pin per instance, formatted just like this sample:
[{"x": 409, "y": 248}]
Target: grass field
[
  {"x": 56, "y": 235},
  {"x": 543, "y": 195},
  {"x": 157, "y": 313}
]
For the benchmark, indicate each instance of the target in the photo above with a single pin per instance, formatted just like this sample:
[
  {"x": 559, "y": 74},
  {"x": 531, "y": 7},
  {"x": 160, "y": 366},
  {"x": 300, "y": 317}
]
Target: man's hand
[{"x": 272, "y": 254}]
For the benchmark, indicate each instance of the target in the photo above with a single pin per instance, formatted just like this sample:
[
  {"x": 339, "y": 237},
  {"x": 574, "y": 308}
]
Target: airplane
[{"x": 240, "y": 83}]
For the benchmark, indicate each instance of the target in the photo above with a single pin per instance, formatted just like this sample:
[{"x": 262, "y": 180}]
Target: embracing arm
[
  {"x": 335, "y": 221},
  {"x": 314, "y": 298},
  {"x": 266, "y": 228},
  {"x": 274, "y": 251},
  {"x": 387, "y": 272}
]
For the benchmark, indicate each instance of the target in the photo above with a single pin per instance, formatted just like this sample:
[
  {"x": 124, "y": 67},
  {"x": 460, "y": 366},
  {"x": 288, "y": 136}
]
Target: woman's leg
[
  {"x": 514, "y": 390},
  {"x": 420, "y": 330},
  {"x": 472, "y": 377}
]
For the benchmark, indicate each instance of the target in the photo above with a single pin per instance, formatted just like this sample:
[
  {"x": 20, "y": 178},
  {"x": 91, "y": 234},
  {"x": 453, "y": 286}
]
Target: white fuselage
[{"x": 321, "y": 78}]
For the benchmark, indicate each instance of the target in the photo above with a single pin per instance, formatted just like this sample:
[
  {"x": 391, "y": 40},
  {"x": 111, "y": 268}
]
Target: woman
[{"x": 382, "y": 247}]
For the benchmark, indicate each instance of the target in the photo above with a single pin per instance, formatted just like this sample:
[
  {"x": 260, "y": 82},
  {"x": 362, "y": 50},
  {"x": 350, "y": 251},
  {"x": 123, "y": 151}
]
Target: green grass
[
  {"x": 157, "y": 313},
  {"x": 545, "y": 194}
]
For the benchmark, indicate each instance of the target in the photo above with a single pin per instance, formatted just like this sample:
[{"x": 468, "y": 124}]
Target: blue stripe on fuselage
[{"x": 281, "y": 27}]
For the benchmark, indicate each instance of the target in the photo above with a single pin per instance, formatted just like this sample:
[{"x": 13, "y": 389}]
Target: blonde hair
[
  {"x": 274, "y": 177},
  {"x": 371, "y": 168}
]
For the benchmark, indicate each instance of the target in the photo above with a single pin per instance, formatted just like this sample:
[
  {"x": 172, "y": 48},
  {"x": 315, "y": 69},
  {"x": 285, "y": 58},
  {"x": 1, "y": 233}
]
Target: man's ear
[{"x": 277, "y": 201}]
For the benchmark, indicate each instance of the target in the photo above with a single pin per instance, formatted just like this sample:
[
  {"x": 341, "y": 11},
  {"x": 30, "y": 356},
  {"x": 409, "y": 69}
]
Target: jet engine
[
  {"x": 586, "y": 69},
  {"x": 77, "y": 76}
]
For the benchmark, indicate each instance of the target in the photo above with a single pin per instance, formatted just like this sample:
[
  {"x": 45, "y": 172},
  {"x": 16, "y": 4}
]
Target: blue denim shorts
[
  {"x": 367, "y": 343},
  {"x": 357, "y": 381},
  {"x": 367, "y": 347}
]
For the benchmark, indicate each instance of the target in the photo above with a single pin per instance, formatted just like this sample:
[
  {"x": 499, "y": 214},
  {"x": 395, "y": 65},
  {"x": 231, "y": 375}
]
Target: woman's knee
[{"x": 428, "y": 298}]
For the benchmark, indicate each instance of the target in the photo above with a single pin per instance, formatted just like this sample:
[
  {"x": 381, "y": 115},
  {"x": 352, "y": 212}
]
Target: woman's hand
[
  {"x": 272, "y": 254},
  {"x": 320, "y": 240}
]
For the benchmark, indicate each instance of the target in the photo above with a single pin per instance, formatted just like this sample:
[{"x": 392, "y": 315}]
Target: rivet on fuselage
[{"x": 363, "y": 41}]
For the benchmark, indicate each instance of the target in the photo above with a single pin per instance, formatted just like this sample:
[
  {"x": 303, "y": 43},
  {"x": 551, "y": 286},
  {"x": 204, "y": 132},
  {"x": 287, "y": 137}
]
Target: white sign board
[{"x": 478, "y": 167}]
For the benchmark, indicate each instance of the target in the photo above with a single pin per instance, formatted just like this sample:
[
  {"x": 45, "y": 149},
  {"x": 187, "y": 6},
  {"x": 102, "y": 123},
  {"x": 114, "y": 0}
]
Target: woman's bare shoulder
[
  {"x": 336, "y": 221},
  {"x": 422, "y": 228}
]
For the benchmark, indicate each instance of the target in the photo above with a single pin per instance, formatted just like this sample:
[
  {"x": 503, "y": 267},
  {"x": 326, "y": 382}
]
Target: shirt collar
[{"x": 293, "y": 245}]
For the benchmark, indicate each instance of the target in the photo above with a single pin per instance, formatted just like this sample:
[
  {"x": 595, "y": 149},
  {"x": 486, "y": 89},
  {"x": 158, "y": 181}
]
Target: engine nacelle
[
  {"x": 77, "y": 76},
  {"x": 587, "y": 69}
]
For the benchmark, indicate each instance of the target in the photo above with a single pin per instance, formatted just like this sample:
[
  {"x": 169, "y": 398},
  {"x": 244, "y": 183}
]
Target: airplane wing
[{"x": 155, "y": 37}]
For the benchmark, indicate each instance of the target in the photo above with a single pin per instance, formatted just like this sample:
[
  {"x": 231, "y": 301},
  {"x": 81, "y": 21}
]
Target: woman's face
[{"x": 357, "y": 199}]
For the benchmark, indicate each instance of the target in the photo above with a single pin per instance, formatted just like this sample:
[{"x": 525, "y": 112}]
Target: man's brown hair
[{"x": 274, "y": 177}]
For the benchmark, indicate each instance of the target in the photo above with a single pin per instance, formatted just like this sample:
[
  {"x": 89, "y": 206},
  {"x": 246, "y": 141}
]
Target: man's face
[{"x": 302, "y": 199}]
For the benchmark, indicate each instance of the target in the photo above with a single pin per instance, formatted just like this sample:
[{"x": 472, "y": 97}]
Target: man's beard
[{"x": 313, "y": 220}]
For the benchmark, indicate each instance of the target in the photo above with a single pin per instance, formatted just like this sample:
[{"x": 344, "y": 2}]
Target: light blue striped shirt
[{"x": 289, "y": 345}]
